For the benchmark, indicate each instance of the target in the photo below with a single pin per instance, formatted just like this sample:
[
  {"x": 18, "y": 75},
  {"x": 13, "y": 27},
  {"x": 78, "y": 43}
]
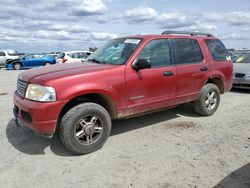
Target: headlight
[{"x": 40, "y": 93}]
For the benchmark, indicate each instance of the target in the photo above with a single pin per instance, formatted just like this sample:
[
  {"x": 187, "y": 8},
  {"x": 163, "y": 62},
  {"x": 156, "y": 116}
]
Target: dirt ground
[{"x": 171, "y": 148}]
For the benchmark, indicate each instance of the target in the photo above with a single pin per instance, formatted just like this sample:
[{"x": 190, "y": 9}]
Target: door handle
[
  {"x": 168, "y": 73},
  {"x": 204, "y": 68}
]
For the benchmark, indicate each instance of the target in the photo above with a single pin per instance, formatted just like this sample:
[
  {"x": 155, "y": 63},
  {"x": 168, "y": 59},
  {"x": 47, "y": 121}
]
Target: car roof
[
  {"x": 9, "y": 50},
  {"x": 152, "y": 36}
]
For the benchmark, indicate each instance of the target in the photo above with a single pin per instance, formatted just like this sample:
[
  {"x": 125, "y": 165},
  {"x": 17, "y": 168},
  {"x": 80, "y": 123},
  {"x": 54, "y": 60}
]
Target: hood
[
  {"x": 241, "y": 67},
  {"x": 62, "y": 70}
]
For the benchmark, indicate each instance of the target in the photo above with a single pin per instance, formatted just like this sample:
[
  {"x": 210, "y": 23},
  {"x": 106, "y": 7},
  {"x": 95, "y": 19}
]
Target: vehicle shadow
[
  {"x": 125, "y": 125},
  {"x": 26, "y": 141},
  {"x": 238, "y": 178},
  {"x": 242, "y": 91}
]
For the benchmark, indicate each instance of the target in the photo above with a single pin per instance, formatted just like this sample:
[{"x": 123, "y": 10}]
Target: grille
[
  {"x": 21, "y": 87},
  {"x": 239, "y": 75}
]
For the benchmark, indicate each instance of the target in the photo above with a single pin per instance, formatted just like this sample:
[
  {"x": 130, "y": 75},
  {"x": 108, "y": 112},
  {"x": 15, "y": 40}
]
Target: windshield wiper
[{"x": 96, "y": 61}]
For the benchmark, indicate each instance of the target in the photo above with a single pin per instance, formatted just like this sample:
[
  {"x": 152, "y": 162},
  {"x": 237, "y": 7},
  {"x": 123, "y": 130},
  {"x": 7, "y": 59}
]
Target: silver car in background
[
  {"x": 72, "y": 56},
  {"x": 242, "y": 71},
  {"x": 6, "y": 55}
]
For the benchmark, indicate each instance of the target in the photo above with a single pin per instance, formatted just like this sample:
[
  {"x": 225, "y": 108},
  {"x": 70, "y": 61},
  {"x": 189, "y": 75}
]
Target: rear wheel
[
  {"x": 85, "y": 128},
  {"x": 47, "y": 64},
  {"x": 208, "y": 101},
  {"x": 17, "y": 66}
]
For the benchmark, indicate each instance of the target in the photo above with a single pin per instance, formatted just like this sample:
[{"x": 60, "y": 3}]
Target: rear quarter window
[{"x": 217, "y": 49}]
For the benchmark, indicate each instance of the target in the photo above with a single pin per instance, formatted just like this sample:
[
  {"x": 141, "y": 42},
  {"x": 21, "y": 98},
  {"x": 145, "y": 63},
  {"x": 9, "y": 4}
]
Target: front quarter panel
[{"x": 110, "y": 83}]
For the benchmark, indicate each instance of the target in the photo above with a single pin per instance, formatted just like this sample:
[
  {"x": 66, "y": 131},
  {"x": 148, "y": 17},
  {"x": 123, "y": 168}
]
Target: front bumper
[
  {"x": 38, "y": 116},
  {"x": 241, "y": 83},
  {"x": 9, "y": 66}
]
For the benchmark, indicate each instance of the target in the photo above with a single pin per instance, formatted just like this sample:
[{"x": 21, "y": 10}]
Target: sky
[{"x": 61, "y": 25}]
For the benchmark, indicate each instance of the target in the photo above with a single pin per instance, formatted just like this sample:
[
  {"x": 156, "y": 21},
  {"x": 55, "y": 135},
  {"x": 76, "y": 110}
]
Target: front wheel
[
  {"x": 208, "y": 101},
  {"x": 85, "y": 128},
  {"x": 17, "y": 66}
]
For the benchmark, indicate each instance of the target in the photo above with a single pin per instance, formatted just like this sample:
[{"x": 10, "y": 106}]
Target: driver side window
[{"x": 157, "y": 52}]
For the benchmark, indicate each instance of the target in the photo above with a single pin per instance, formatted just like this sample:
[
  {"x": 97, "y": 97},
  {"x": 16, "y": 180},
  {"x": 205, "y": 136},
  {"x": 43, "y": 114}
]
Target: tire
[
  {"x": 208, "y": 101},
  {"x": 85, "y": 128},
  {"x": 17, "y": 66},
  {"x": 47, "y": 63}
]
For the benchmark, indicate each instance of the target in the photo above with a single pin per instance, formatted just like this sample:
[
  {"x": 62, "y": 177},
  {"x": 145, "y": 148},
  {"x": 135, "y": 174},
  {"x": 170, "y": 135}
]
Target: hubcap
[
  {"x": 17, "y": 66},
  {"x": 88, "y": 130},
  {"x": 211, "y": 100}
]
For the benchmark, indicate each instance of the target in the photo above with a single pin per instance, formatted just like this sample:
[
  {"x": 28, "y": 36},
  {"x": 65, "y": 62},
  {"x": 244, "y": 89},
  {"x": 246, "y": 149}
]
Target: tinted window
[
  {"x": 157, "y": 52},
  {"x": 217, "y": 49},
  {"x": 2, "y": 54},
  {"x": 187, "y": 51}
]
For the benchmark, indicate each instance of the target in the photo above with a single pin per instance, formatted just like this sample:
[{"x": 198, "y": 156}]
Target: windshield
[
  {"x": 243, "y": 58},
  {"x": 115, "y": 52}
]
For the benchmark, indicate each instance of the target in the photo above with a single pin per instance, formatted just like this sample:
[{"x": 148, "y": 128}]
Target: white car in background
[
  {"x": 7, "y": 54},
  {"x": 72, "y": 56}
]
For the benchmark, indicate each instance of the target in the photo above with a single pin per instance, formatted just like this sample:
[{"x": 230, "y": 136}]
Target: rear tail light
[{"x": 64, "y": 60}]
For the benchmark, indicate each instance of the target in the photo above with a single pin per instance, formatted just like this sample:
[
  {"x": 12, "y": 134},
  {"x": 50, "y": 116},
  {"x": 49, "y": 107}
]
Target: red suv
[{"x": 125, "y": 77}]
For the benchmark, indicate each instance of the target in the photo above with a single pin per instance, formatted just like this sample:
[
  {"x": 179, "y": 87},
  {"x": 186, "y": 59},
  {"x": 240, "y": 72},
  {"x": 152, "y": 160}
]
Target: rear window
[
  {"x": 217, "y": 49},
  {"x": 187, "y": 51}
]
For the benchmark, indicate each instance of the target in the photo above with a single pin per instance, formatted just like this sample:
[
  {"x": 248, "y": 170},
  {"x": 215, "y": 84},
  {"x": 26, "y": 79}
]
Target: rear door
[
  {"x": 191, "y": 69},
  {"x": 220, "y": 62},
  {"x": 152, "y": 88}
]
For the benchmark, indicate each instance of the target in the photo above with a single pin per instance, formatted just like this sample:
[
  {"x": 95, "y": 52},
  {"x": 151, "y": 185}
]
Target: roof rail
[{"x": 169, "y": 32}]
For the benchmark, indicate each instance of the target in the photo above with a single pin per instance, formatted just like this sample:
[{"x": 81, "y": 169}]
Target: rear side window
[
  {"x": 217, "y": 49},
  {"x": 2, "y": 54},
  {"x": 187, "y": 51}
]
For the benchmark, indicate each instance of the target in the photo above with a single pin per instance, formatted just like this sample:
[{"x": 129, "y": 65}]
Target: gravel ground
[{"x": 171, "y": 148}]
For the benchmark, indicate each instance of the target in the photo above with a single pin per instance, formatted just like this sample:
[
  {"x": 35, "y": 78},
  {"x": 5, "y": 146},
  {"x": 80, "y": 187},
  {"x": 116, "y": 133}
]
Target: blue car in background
[{"x": 29, "y": 61}]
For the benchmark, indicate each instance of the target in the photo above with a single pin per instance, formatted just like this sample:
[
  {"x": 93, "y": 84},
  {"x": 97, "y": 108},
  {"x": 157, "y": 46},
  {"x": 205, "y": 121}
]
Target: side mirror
[{"x": 141, "y": 64}]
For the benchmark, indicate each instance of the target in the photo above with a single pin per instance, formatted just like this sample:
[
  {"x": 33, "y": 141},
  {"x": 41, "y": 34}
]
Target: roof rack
[{"x": 186, "y": 33}]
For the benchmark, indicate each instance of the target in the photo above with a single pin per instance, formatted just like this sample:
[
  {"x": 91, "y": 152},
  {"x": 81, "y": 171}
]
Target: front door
[{"x": 152, "y": 88}]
